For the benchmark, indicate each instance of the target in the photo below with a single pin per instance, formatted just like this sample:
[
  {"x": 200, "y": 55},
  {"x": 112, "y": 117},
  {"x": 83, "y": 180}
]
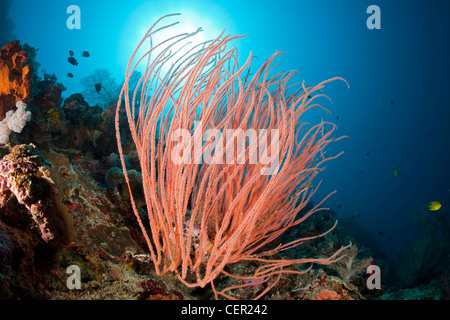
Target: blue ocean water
[{"x": 396, "y": 111}]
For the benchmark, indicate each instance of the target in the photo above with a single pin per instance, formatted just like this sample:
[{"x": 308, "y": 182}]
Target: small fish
[
  {"x": 358, "y": 214},
  {"x": 98, "y": 87},
  {"x": 72, "y": 61},
  {"x": 339, "y": 206},
  {"x": 434, "y": 206},
  {"x": 71, "y": 53},
  {"x": 396, "y": 173},
  {"x": 362, "y": 172},
  {"x": 85, "y": 54},
  {"x": 392, "y": 101},
  {"x": 367, "y": 154},
  {"x": 70, "y": 75},
  {"x": 380, "y": 233},
  {"x": 337, "y": 117}
]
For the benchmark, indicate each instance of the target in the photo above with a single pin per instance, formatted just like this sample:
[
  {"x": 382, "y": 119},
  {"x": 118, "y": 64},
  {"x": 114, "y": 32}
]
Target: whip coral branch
[{"x": 204, "y": 215}]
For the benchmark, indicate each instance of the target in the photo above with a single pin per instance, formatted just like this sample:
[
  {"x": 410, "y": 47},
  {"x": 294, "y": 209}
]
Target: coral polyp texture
[{"x": 205, "y": 216}]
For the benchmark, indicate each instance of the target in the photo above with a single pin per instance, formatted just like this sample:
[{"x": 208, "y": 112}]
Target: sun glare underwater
[{"x": 198, "y": 150}]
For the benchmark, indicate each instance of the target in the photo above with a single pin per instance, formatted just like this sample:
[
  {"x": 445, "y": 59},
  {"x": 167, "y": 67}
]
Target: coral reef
[
  {"x": 115, "y": 176},
  {"x": 344, "y": 280},
  {"x": 89, "y": 224},
  {"x": 48, "y": 94},
  {"x": 64, "y": 202},
  {"x": 53, "y": 216}
]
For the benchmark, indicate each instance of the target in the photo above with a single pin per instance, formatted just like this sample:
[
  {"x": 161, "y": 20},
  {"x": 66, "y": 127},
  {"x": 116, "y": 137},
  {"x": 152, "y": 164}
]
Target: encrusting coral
[{"x": 25, "y": 179}]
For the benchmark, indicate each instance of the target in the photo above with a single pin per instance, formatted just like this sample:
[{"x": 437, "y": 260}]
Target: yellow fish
[{"x": 434, "y": 206}]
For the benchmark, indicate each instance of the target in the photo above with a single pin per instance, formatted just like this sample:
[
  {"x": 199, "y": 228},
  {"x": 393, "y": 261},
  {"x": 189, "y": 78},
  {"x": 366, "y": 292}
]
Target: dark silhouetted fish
[
  {"x": 380, "y": 233},
  {"x": 357, "y": 215},
  {"x": 71, "y": 53},
  {"x": 339, "y": 206},
  {"x": 367, "y": 154},
  {"x": 72, "y": 61},
  {"x": 70, "y": 75},
  {"x": 337, "y": 117},
  {"x": 392, "y": 101},
  {"x": 98, "y": 87},
  {"x": 85, "y": 54}
]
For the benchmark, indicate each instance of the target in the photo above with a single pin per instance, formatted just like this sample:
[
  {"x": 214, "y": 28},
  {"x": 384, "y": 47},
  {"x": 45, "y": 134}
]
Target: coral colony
[
  {"x": 14, "y": 121},
  {"x": 203, "y": 217}
]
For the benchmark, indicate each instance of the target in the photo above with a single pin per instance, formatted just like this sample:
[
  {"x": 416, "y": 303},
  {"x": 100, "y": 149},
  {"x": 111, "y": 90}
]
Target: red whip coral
[{"x": 209, "y": 203}]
